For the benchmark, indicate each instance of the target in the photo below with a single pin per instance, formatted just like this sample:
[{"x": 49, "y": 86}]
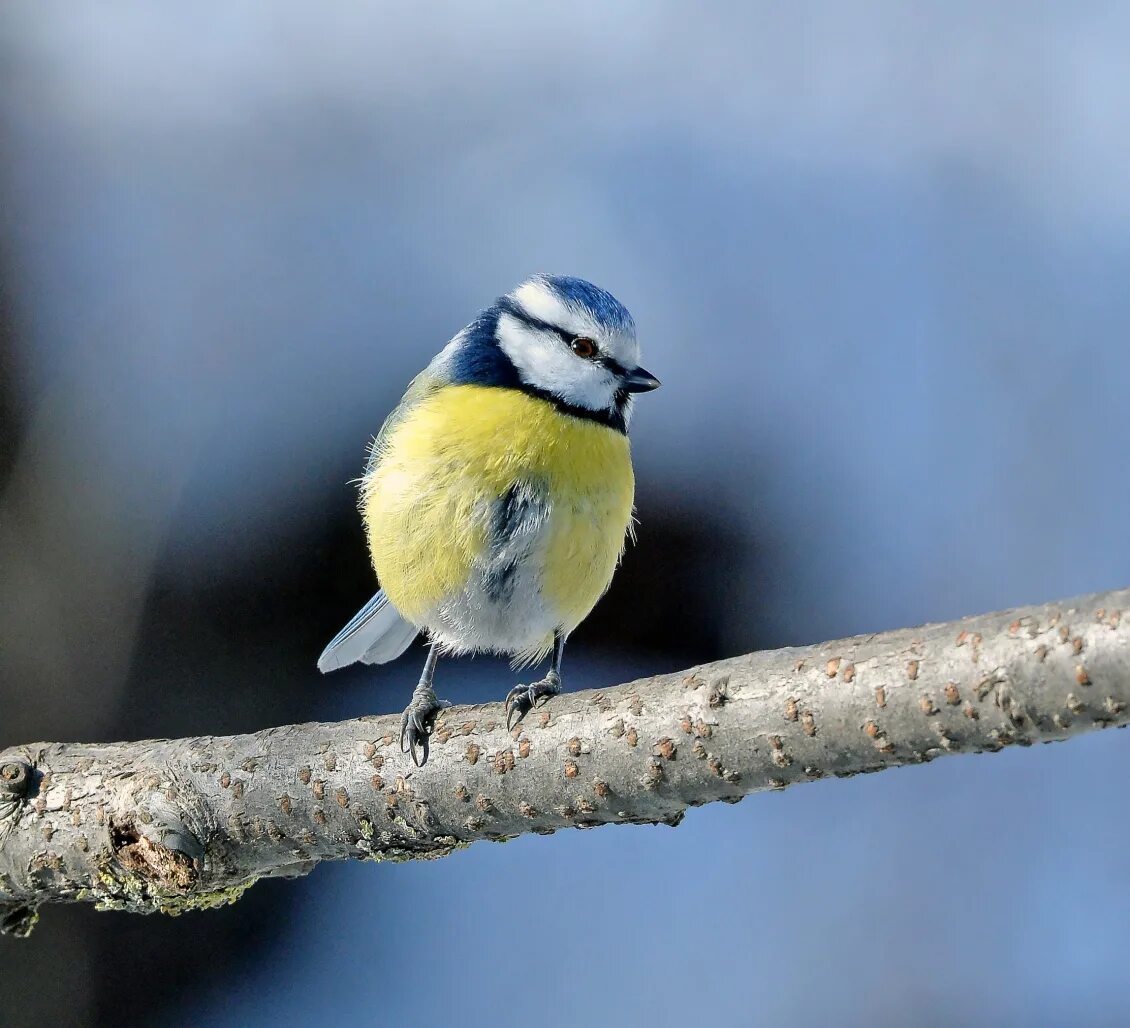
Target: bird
[{"x": 498, "y": 496}]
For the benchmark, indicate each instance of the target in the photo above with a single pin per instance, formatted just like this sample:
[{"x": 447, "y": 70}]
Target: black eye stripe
[
  {"x": 515, "y": 311},
  {"x": 518, "y": 313}
]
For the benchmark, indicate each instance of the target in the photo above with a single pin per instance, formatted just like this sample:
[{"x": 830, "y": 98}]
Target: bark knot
[
  {"x": 168, "y": 869},
  {"x": 15, "y": 783}
]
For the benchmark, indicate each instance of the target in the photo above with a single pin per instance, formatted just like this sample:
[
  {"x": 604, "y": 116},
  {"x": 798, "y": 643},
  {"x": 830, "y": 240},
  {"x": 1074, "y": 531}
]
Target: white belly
[{"x": 501, "y": 608}]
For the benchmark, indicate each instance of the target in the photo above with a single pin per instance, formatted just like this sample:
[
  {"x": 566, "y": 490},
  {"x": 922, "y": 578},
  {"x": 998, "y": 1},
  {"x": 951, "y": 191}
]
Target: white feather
[
  {"x": 376, "y": 634},
  {"x": 538, "y": 299},
  {"x": 544, "y": 360}
]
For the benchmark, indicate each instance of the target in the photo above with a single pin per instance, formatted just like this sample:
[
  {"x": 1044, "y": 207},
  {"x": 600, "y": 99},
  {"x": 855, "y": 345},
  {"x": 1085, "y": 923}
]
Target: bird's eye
[{"x": 583, "y": 346}]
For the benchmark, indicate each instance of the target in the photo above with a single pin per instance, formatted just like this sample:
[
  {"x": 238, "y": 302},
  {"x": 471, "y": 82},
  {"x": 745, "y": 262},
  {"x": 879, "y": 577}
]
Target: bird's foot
[
  {"x": 417, "y": 722},
  {"x": 523, "y": 698}
]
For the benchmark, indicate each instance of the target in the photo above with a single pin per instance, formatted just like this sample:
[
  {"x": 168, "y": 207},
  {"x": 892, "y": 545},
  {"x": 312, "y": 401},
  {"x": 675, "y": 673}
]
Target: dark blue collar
[{"x": 479, "y": 360}]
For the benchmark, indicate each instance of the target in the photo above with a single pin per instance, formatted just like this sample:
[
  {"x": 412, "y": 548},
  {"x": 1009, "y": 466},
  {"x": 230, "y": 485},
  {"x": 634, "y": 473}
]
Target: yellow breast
[{"x": 441, "y": 467}]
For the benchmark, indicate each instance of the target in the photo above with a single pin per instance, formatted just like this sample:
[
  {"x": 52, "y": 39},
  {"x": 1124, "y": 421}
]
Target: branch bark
[{"x": 169, "y": 825}]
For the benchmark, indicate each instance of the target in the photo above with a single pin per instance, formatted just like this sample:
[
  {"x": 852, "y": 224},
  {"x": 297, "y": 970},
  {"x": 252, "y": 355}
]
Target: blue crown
[{"x": 598, "y": 303}]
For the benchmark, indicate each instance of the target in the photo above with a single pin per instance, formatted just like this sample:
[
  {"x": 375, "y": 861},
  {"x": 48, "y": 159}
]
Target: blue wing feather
[{"x": 376, "y": 634}]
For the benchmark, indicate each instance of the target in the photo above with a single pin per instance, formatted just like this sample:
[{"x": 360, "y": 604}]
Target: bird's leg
[
  {"x": 419, "y": 716},
  {"x": 522, "y": 698}
]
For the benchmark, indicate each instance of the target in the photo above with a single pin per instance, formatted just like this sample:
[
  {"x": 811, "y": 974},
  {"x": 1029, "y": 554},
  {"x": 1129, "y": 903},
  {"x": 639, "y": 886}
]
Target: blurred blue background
[{"x": 878, "y": 253}]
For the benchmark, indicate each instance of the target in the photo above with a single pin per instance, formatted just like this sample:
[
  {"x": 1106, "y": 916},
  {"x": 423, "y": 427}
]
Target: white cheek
[
  {"x": 594, "y": 387},
  {"x": 544, "y": 362}
]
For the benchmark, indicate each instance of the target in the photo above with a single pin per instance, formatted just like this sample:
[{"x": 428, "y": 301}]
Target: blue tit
[{"x": 498, "y": 495}]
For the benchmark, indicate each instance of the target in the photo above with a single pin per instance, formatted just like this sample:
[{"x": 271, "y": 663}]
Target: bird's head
[{"x": 561, "y": 338}]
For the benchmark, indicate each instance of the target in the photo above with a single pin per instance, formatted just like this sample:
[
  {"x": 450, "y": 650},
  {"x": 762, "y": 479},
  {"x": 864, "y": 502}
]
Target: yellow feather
[{"x": 427, "y": 496}]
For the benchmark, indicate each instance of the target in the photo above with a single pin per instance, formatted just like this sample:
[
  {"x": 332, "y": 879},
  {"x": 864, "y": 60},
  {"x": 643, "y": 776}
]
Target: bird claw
[
  {"x": 523, "y": 698},
  {"x": 417, "y": 723}
]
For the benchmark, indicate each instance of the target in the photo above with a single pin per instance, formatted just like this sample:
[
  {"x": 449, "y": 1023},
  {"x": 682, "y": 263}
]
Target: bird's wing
[{"x": 376, "y": 634}]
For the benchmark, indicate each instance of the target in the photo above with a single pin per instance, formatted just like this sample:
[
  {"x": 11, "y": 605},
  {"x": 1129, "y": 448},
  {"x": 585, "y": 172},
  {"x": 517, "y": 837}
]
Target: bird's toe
[
  {"x": 523, "y": 698},
  {"x": 416, "y": 726}
]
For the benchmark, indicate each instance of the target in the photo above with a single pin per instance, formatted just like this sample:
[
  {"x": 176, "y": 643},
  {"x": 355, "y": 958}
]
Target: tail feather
[{"x": 376, "y": 634}]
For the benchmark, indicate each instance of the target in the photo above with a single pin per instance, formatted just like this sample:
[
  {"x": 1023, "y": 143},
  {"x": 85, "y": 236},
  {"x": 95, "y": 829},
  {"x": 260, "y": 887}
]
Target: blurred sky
[{"x": 878, "y": 255}]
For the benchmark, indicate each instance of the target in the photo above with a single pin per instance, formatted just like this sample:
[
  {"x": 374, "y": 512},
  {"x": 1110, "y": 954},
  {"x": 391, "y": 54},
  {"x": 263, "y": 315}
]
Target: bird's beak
[{"x": 640, "y": 381}]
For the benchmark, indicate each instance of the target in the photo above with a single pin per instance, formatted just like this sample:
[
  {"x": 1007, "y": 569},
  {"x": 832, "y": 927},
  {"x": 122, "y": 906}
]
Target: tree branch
[{"x": 169, "y": 825}]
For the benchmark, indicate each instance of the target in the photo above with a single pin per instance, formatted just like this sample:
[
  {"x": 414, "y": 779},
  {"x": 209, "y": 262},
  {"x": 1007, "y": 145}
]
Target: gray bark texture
[{"x": 171, "y": 825}]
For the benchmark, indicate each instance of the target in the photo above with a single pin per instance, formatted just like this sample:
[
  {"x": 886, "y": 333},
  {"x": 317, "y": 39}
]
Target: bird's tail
[{"x": 376, "y": 634}]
